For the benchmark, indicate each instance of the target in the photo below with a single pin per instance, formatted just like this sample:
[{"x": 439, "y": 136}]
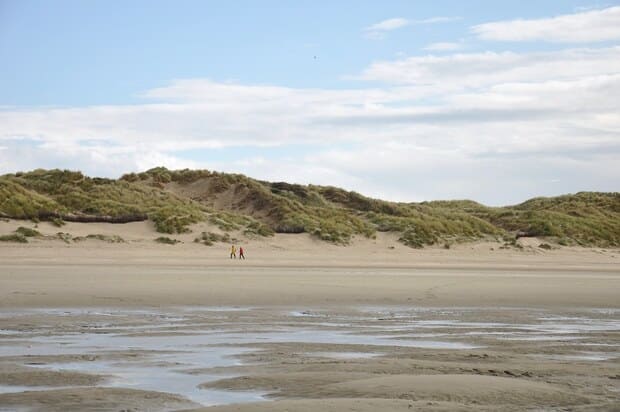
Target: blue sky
[
  {"x": 397, "y": 99},
  {"x": 53, "y": 51}
]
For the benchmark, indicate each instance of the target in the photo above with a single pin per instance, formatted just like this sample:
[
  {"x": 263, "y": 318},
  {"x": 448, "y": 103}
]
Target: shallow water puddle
[
  {"x": 173, "y": 350},
  {"x": 21, "y": 388},
  {"x": 585, "y": 356},
  {"x": 166, "y": 374}
]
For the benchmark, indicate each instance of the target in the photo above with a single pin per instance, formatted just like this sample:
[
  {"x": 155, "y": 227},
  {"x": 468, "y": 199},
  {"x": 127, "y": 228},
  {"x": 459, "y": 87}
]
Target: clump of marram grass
[
  {"x": 222, "y": 223},
  {"x": 564, "y": 242},
  {"x": 167, "y": 241},
  {"x": 14, "y": 237},
  {"x": 175, "y": 219},
  {"x": 65, "y": 237},
  {"x": 257, "y": 228},
  {"x": 412, "y": 238},
  {"x": 27, "y": 232},
  {"x": 227, "y": 221},
  {"x": 209, "y": 238},
  {"x": 104, "y": 238},
  {"x": 58, "y": 222},
  {"x": 511, "y": 243}
]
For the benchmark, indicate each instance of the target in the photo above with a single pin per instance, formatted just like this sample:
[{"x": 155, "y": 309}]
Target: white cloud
[
  {"x": 389, "y": 24},
  {"x": 488, "y": 68},
  {"x": 438, "y": 19},
  {"x": 379, "y": 30},
  {"x": 585, "y": 27},
  {"x": 443, "y": 127},
  {"x": 444, "y": 46}
]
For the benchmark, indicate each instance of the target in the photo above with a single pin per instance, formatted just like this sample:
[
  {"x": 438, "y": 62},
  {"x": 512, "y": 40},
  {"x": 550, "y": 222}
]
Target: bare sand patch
[
  {"x": 18, "y": 375},
  {"x": 94, "y": 399},
  {"x": 338, "y": 405},
  {"x": 466, "y": 389}
]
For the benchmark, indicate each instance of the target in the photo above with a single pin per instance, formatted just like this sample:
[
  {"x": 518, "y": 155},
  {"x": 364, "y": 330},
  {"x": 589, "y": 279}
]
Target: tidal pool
[{"x": 174, "y": 350}]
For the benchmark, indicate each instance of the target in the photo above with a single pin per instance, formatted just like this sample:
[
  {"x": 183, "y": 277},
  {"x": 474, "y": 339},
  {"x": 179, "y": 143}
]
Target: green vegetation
[
  {"x": 175, "y": 219},
  {"x": 14, "y": 237},
  {"x": 20, "y": 235},
  {"x": 167, "y": 241},
  {"x": 58, "y": 222},
  {"x": 105, "y": 238},
  {"x": 27, "y": 232},
  {"x": 208, "y": 238},
  {"x": 19, "y": 202},
  {"x": 65, "y": 237},
  {"x": 255, "y": 229},
  {"x": 64, "y": 195},
  {"x": 175, "y": 199}
]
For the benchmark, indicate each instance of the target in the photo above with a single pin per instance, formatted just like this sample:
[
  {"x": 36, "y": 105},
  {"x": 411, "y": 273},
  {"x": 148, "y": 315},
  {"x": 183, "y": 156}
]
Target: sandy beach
[
  {"x": 249, "y": 206},
  {"x": 304, "y": 325}
]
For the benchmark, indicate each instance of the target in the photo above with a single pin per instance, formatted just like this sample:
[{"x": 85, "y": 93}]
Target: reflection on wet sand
[{"x": 200, "y": 353}]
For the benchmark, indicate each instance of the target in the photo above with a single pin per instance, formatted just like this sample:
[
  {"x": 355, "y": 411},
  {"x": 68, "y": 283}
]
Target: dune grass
[
  {"x": 52, "y": 193},
  {"x": 167, "y": 241},
  {"x": 14, "y": 237},
  {"x": 98, "y": 236},
  {"x": 209, "y": 238},
  {"x": 175, "y": 199},
  {"x": 27, "y": 232}
]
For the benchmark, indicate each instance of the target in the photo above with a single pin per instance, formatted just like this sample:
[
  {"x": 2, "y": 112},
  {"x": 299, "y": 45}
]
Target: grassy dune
[{"x": 175, "y": 199}]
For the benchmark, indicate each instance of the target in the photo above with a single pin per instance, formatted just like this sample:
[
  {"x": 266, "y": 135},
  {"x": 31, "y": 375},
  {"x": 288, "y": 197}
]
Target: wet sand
[{"x": 300, "y": 358}]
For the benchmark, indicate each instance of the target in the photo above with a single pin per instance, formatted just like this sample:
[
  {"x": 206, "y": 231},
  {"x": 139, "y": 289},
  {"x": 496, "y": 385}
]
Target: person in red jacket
[{"x": 241, "y": 255}]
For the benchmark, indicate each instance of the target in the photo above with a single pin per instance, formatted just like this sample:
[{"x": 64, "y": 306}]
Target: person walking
[
  {"x": 233, "y": 252},
  {"x": 241, "y": 255}
]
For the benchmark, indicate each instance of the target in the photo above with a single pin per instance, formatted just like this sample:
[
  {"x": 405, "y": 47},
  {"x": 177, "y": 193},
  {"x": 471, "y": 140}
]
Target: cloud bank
[
  {"x": 498, "y": 127},
  {"x": 585, "y": 27}
]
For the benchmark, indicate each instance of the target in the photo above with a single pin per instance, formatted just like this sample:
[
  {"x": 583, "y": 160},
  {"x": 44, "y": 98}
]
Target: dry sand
[
  {"x": 296, "y": 271},
  {"x": 292, "y": 269}
]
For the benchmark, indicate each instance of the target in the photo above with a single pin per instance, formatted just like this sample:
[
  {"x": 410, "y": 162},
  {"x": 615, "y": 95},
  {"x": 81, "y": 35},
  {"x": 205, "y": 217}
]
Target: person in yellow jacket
[{"x": 233, "y": 252}]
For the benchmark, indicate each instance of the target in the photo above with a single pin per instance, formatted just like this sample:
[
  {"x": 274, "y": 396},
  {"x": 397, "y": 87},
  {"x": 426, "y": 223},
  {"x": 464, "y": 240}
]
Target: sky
[{"x": 408, "y": 101}]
